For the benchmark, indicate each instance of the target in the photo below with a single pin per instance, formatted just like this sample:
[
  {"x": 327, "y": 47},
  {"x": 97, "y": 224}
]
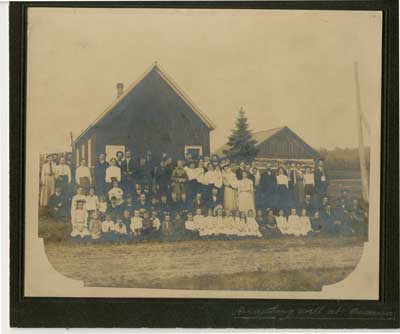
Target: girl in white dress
[
  {"x": 282, "y": 222},
  {"x": 295, "y": 227},
  {"x": 305, "y": 222},
  {"x": 95, "y": 226},
  {"x": 136, "y": 223},
  {"x": 219, "y": 221},
  {"x": 230, "y": 188},
  {"x": 252, "y": 225},
  {"x": 79, "y": 196},
  {"x": 79, "y": 221},
  {"x": 229, "y": 224},
  {"x": 245, "y": 194},
  {"x": 209, "y": 223},
  {"x": 242, "y": 225},
  {"x": 189, "y": 223}
]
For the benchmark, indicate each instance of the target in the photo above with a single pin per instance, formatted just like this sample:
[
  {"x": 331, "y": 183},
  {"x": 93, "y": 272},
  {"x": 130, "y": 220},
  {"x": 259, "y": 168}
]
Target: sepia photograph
[{"x": 203, "y": 153}]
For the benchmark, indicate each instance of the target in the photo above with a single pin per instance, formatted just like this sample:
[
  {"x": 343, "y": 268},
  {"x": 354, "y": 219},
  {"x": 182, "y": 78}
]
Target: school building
[
  {"x": 153, "y": 114},
  {"x": 280, "y": 144}
]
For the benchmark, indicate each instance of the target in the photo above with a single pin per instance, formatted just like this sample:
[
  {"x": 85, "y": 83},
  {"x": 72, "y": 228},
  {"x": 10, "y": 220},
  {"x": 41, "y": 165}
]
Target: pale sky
[{"x": 291, "y": 68}]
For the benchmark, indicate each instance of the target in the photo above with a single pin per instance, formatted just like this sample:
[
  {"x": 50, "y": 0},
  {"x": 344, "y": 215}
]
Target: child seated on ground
[
  {"x": 229, "y": 223},
  {"x": 79, "y": 221},
  {"x": 102, "y": 207},
  {"x": 167, "y": 228},
  {"x": 120, "y": 230},
  {"x": 294, "y": 223},
  {"x": 146, "y": 224},
  {"x": 155, "y": 222},
  {"x": 95, "y": 226},
  {"x": 107, "y": 228},
  {"x": 316, "y": 223},
  {"x": 189, "y": 223},
  {"x": 305, "y": 225},
  {"x": 126, "y": 219},
  {"x": 271, "y": 227},
  {"x": 79, "y": 196},
  {"x": 282, "y": 222},
  {"x": 252, "y": 226},
  {"x": 136, "y": 223}
]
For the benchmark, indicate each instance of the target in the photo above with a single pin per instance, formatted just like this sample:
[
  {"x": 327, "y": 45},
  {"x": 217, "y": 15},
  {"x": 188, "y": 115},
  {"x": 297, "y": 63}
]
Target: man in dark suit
[
  {"x": 100, "y": 175},
  {"x": 268, "y": 188},
  {"x": 127, "y": 171},
  {"x": 308, "y": 205},
  {"x": 214, "y": 199},
  {"x": 321, "y": 179}
]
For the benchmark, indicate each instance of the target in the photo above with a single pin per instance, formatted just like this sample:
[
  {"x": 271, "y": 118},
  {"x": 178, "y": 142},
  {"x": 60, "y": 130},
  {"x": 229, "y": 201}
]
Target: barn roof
[
  {"x": 154, "y": 68},
  {"x": 266, "y": 135}
]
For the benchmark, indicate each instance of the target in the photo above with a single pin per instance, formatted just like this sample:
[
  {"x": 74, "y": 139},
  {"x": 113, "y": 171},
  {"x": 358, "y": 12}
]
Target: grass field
[{"x": 275, "y": 264}]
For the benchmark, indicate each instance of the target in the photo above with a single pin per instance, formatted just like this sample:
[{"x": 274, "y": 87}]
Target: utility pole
[{"x": 361, "y": 148}]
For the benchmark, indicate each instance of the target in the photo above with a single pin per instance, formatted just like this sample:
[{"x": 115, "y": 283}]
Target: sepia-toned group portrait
[{"x": 203, "y": 153}]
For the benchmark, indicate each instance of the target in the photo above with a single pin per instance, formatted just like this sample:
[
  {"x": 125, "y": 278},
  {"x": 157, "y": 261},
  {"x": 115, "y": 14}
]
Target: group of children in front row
[{"x": 100, "y": 225}]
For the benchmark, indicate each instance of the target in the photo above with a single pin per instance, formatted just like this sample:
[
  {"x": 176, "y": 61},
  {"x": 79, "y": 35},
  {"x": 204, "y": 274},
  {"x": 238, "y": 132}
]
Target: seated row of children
[
  {"x": 237, "y": 224},
  {"x": 89, "y": 225}
]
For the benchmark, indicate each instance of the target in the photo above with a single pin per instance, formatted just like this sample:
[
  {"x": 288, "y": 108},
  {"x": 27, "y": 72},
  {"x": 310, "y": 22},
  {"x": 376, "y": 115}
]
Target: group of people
[{"x": 134, "y": 198}]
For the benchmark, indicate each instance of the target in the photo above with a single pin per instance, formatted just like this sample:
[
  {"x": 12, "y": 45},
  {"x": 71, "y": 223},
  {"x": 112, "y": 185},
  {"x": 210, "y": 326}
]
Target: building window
[
  {"x": 193, "y": 152},
  {"x": 111, "y": 151}
]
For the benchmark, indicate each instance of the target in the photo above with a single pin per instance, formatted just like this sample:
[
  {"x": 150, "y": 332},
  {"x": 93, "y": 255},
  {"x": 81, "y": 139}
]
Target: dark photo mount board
[{"x": 205, "y": 313}]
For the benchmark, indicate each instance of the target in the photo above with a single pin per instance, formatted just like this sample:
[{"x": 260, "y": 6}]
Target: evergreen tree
[{"x": 241, "y": 144}]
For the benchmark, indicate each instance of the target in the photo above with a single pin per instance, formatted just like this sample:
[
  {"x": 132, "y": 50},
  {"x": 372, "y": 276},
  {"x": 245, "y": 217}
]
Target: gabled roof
[
  {"x": 154, "y": 67},
  {"x": 266, "y": 135}
]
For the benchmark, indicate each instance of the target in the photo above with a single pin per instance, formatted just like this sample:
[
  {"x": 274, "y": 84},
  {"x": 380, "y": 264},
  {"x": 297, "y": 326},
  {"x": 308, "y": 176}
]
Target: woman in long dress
[
  {"x": 283, "y": 197},
  {"x": 299, "y": 185},
  {"x": 48, "y": 181},
  {"x": 230, "y": 189},
  {"x": 245, "y": 194}
]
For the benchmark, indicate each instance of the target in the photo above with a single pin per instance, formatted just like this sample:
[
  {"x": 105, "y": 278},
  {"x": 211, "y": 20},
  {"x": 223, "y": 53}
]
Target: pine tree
[{"x": 241, "y": 144}]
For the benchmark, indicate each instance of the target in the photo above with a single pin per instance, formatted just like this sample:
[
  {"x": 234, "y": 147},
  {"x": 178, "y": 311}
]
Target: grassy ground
[{"x": 275, "y": 264}]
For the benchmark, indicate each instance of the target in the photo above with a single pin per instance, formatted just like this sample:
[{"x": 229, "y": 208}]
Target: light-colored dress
[
  {"x": 230, "y": 191},
  {"x": 295, "y": 227},
  {"x": 118, "y": 193},
  {"x": 107, "y": 226},
  {"x": 252, "y": 227},
  {"x": 282, "y": 224},
  {"x": 79, "y": 223},
  {"x": 136, "y": 223},
  {"x": 305, "y": 225},
  {"x": 245, "y": 195},
  {"x": 48, "y": 180}
]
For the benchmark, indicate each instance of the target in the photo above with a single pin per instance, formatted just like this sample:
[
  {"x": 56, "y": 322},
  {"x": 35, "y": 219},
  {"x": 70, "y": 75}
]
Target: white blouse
[
  {"x": 82, "y": 171},
  {"x": 230, "y": 179},
  {"x": 62, "y": 170},
  {"x": 245, "y": 185},
  {"x": 309, "y": 178},
  {"x": 282, "y": 180},
  {"x": 113, "y": 172},
  {"x": 213, "y": 177}
]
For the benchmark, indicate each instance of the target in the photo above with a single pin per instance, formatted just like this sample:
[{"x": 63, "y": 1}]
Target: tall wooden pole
[
  {"x": 72, "y": 147},
  {"x": 361, "y": 149}
]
